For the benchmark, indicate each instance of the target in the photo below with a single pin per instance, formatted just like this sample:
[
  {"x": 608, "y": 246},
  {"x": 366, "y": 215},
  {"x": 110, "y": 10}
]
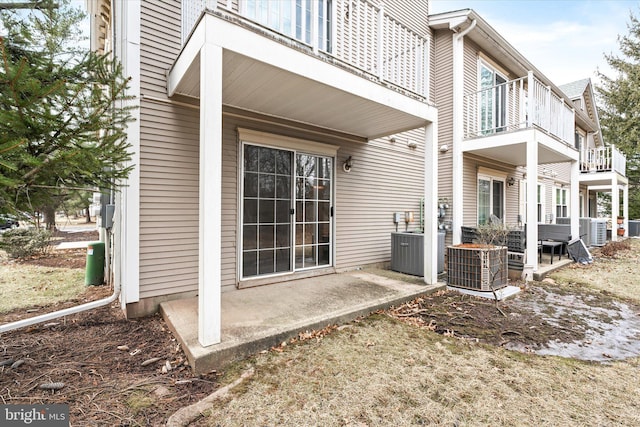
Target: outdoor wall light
[
  {"x": 444, "y": 148},
  {"x": 346, "y": 166},
  {"x": 412, "y": 144},
  {"x": 511, "y": 181}
]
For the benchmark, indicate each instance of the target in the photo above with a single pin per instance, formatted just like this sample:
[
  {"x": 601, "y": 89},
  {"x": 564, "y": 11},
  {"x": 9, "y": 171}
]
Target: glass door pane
[
  {"x": 484, "y": 200},
  {"x": 313, "y": 211},
  {"x": 501, "y": 103},
  {"x": 498, "y": 199},
  {"x": 266, "y": 218}
]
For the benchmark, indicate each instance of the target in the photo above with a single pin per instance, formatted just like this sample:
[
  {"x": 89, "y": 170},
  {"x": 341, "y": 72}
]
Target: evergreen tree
[
  {"x": 62, "y": 114},
  {"x": 619, "y": 107}
]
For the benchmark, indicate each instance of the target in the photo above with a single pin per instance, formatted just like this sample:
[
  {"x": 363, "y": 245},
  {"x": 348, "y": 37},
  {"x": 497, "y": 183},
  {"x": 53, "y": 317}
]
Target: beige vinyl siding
[
  {"x": 413, "y": 14},
  {"x": 443, "y": 96},
  {"x": 168, "y": 199},
  {"x": 470, "y": 177},
  {"x": 169, "y": 150},
  {"x": 386, "y": 177},
  {"x": 160, "y": 34},
  {"x": 563, "y": 171}
]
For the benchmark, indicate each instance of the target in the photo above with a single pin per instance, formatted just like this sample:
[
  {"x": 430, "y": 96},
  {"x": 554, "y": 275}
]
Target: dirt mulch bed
[
  {"x": 61, "y": 258},
  {"x": 109, "y": 370},
  {"x": 454, "y": 314}
]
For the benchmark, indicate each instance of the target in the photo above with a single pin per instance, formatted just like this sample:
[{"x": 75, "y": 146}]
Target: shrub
[
  {"x": 492, "y": 234},
  {"x": 24, "y": 242}
]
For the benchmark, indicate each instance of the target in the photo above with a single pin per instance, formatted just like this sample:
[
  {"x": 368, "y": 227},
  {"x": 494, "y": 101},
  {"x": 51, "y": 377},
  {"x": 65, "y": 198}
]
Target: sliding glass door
[{"x": 287, "y": 208}]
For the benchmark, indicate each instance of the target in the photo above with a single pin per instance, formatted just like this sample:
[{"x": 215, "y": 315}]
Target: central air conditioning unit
[{"x": 598, "y": 232}]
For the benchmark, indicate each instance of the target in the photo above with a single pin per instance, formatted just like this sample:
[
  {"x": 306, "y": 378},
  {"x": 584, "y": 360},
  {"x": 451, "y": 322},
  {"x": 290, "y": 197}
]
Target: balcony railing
[
  {"x": 356, "y": 32},
  {"x": 603, "y": 159},
  {"x": 518, "y": 104}
]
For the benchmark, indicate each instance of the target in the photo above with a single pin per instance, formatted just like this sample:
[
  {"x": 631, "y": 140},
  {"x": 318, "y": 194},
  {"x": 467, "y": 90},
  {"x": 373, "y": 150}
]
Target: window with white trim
[
  {"x": 523, "y": 202},
  {"x": 561, "y": 202},
  {"x": 540, "y": 203},
  {"x": 293, "y": 18},
  {"x": 493, "y": 99},
  {"x": 491, "y": 196}
]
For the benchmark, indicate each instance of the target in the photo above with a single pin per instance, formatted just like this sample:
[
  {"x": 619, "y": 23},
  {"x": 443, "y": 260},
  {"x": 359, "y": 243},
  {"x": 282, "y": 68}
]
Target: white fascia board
[
  {"x": 449, "y": 20},
  {"x": 189, "y": 54},
  {"x": 586, "y": 178},
  {"x": 501, "y": 140},
  {"x": 553, "y": 144},
  {"x": 605, "y": 188}
]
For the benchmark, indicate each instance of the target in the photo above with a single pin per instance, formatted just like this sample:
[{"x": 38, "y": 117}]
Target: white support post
[
  {"x": 625, "y": 208},
  {"x": 574, "y": 202},
  {"x": 457, "y": 160},
  {"x": 532, "y": 210},
  {"x": 615, "y": 207},
  {"x": 209, "y": 265},
  {"x": 430, "y": 204}
]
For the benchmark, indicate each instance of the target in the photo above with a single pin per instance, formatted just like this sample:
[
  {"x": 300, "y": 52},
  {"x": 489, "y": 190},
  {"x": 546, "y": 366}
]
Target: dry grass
[
  {"x": 618, "y": 275},
  {"x": 23, "y": 286},
  {"x": 383, "y": 372}
]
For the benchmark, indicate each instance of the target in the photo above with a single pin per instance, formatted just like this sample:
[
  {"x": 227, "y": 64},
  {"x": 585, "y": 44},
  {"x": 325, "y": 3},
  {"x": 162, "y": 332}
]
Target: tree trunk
[
  {"x": 87, "y": 215},
  {"x": 49, "y": 218}
]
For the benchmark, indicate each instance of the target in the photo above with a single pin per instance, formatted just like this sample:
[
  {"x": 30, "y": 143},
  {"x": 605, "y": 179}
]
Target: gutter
[{"x": 466, "y": 30}]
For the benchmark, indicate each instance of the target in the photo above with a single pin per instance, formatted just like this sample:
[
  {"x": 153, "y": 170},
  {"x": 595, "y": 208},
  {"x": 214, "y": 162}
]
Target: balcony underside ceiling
[
  {"x": 601, "y": 179},
  {"x": 511, "y": 148},
  {"x": 264, "y": 76}
]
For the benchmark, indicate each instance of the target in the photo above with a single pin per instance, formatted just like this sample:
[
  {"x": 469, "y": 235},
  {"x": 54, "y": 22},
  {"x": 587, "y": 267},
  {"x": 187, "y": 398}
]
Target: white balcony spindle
[{"x": 380, "y": 48}]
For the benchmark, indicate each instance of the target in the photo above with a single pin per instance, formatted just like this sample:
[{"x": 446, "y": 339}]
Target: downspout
[
  {"x": 65, "y": 312},
  {"x": 458, "y": 124}
]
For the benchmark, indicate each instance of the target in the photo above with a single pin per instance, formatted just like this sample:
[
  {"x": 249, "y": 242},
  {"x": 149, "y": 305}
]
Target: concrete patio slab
[{"x": 259, "y": 318}]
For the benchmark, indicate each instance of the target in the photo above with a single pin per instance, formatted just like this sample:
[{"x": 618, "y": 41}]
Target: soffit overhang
[{"x": 264, "y": 75}]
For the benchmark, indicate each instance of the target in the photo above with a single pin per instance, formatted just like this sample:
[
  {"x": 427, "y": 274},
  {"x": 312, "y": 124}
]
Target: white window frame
[
  {"x": 541, "y": 205},
  {"x": 523, "y": 202},
  {"x": 491, "y": 176},
  {"x": 559, "y": 189},
  {"x": 288, "y": 9},
  {"x": 482, "y": 63}
]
